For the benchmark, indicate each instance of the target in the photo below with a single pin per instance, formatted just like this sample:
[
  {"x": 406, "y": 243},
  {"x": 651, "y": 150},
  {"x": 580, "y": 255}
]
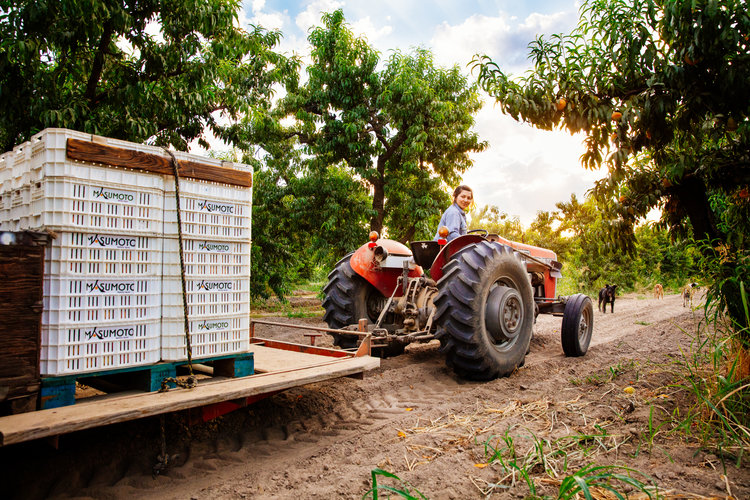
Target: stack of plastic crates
[
  {"x": 216, "y": 248},
  {"x": 102, "y": 284},
  {"x": 112, "y": 289}
]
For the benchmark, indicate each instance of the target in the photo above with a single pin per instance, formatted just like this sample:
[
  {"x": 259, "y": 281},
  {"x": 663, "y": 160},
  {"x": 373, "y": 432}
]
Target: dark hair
[{"x": 462, "y": 187}]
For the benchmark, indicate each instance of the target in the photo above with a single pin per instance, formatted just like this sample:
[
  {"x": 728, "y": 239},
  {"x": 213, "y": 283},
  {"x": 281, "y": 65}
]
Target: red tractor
[{"x": 480, "y": 300}]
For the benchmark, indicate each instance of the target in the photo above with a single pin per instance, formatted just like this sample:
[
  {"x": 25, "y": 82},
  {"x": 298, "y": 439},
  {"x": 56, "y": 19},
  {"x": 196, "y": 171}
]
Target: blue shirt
[{"x": 455, "y": 220}]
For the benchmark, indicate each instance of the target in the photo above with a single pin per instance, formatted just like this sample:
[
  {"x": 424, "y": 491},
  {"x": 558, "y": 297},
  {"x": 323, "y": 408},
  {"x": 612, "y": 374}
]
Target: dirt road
[{"x": 415, "y": 419}]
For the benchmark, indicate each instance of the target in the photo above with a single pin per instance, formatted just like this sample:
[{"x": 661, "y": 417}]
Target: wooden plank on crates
[
  {"x": 45, "y": 423},
  {"x": 94, "y": 152}
]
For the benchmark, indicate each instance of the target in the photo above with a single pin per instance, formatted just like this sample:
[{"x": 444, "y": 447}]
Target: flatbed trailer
[
  {"x": 64, "y": 182},
  {"x": 278, "y": 366}
]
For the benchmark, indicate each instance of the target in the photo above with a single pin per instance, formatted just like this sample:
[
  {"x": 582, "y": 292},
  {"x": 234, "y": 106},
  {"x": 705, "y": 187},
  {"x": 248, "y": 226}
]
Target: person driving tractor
[{"x": 454, "y": 217}]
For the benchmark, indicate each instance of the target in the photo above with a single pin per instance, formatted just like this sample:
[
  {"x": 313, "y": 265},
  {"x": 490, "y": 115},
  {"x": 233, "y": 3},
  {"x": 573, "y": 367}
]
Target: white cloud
[
  {"x": 525, "y": 169},
  {"x": 500, "y": 37},
  {"x": 270, "y": 20},
  {"x": 365, "y": 27},
  {"x": 311, "y": 15},
  {"x": 457, "y": 44}
]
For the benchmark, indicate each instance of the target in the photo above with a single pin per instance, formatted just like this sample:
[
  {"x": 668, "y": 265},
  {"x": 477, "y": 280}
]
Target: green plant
[
  {"x": 554, "y": 459},
  {"x": 652, "y": 430},
  {"x": 510, "y": 461},
  {"x": 601, "y": 477},
  {"x": 609, "y": 374},
  {"x": 710, "y": 372},
  {"x": 403, "y": 493}
]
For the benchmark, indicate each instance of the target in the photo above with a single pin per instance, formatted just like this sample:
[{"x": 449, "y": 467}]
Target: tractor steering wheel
[{"x": 483, "y": 231}]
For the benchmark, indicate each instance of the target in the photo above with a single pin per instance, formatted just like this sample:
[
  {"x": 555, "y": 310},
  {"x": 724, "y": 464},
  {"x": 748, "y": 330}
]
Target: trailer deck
[{"x": 278, "y": 366}]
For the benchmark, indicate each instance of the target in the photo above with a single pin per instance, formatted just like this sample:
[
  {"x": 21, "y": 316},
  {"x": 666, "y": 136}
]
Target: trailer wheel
[
  {"x": 577, "y": 325},
  {"x": 349, "y": 297},
  {"x": 484, "y": 311}
]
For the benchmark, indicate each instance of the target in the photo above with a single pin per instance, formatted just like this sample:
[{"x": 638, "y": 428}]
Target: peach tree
[{"x": 660, "y": 90}]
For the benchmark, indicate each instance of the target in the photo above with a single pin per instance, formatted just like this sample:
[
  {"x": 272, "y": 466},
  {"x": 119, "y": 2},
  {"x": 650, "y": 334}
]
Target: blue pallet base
[{"x": 60, "y": 391}]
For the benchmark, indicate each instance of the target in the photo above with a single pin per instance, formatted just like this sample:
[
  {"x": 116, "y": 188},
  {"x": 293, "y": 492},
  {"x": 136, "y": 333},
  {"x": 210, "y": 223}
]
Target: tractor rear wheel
[
  {"x": 577, "y": 325},
  {"x": 484, "y": 311},
  {"x": 349, "y": 298}
]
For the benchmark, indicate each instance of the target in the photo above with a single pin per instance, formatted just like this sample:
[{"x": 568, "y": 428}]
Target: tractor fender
[
  {"x": 381, "y": 264},
  {"x": 545, "y": 260},
  {"x": 448, "y": 250}
]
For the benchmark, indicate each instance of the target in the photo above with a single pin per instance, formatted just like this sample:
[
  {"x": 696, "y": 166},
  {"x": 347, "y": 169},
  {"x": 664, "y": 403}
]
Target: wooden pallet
[{"x": 60, "y": 391}]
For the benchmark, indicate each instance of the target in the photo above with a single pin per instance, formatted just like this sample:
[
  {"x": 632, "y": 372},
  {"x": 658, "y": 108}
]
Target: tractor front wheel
[
  {"x": 484, "y": 311},
  {"x": 349, "y": 298},
  {"x": 577, "y": 325}
]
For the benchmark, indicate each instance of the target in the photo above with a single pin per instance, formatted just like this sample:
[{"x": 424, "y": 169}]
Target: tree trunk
[
  {"x": 692, "y": 194},
  {"x": 378, "y": 199},
  {"x": 409, "y": 235},
  {"x": 98, "y": 66}
]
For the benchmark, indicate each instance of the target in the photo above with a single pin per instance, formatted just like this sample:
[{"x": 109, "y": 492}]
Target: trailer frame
[{"x": 279, "y": 366}]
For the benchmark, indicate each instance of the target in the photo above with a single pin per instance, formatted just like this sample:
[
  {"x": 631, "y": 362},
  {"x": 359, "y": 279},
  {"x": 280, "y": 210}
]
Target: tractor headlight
[{"x": 380, "y": 254}]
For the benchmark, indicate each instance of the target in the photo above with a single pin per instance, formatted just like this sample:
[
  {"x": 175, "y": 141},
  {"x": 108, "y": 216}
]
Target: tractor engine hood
[{"x": 381, "y": 262}]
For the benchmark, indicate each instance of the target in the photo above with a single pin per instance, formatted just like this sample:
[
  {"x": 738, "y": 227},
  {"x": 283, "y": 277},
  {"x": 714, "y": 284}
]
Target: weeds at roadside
[
  {"x": 610, "y": 374},
  {"x": 402, "y": 491},
  {"x": 304, "y": 314},
  {"x": 553, "y": 459},
  {"x": 652, "y": 430},
  {"x": 708, "y": 371},
  {"x": 274, "y": 307}
]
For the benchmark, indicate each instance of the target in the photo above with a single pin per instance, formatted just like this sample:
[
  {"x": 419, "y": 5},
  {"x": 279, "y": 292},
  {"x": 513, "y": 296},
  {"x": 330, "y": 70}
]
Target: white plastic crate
[
  {"x": 5, "y": 224},
  {"x": 112, "y": 205},
  {"x": 46, "y": 147},
  {"x": 208, "y": 210},
  {"x": 104, "y": 255},
  {"x": 207, "y": 297},
  {"x": 82, "y": 348},
  {"x": 90, "y": 300},
  {"x": 5, "y": 197},
  {"x": 16, "y": 203},
  {"x": 5, "y": 169},
  {"x": 45, "y": 154},
  {"x": 215, "y": 259},
  {"x": 209, "y": 337}
]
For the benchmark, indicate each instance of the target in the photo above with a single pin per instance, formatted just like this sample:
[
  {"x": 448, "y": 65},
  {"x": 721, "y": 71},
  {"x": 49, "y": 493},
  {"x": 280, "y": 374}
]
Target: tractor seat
[{"x": 425, "y": 252}]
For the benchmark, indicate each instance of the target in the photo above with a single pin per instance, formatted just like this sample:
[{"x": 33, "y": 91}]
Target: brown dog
[{"x": 658, "y": 291}]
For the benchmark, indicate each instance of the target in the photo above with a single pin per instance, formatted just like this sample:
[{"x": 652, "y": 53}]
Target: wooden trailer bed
[{"x": 278, "y": 366}]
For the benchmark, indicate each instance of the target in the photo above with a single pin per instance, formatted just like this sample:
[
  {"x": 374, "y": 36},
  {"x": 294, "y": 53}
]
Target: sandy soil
[{"x": 415, "y": 419}]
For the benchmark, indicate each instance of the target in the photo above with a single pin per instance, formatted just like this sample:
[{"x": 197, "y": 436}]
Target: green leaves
[
  {"x": 403, "y": 129},
  {"x": 93, "y": 66},
  {"x": 678, "y": 75}
]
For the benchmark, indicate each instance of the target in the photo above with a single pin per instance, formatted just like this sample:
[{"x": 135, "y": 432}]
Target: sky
[{"x": 524, "y": 170}]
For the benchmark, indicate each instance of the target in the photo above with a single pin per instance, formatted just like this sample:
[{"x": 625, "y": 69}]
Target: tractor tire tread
[{"x": 468, "y": 351}]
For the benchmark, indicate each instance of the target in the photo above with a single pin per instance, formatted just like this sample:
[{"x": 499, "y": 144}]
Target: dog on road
[
  {"x": 658, "y": 291},
  {"x": 607, "y": 296},
  {"x": 687, "y": 294}
]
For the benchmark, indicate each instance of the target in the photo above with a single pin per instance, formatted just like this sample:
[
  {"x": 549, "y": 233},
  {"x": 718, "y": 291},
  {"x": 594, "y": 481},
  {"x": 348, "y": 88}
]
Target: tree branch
[{"x": 98, "y": 65}]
